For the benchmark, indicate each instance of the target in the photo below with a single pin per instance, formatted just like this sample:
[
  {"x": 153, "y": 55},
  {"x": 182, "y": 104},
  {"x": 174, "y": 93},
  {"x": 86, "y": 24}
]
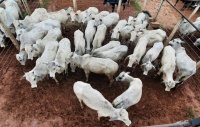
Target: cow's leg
[
  {"x": 87, "y": 75},
  {"x": 56, "y": 80},
  {"x": 81, "y": 103},
  {"x": 160, "y": 70},
  {"x": 179, "y": 76},
  {"x": 111, "y": 79}
]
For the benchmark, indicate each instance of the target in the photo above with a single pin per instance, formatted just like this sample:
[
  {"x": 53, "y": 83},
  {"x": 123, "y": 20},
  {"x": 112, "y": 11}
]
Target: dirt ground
[{"x": 51, "y": 105}]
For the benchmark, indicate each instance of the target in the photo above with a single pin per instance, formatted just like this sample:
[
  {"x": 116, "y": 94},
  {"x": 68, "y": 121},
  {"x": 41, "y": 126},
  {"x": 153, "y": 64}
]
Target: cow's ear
[
  {"x": 23, "y": 77},
  {"x": 128, "y": 73}
]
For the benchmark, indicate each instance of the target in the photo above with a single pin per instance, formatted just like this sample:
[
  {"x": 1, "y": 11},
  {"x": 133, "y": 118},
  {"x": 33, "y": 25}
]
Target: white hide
[
  {"x": 138, "y": 52},
  {"x": 116, "y": 31},
  {"x": 95, "y": 65},
  {"x": 115, "y": 54},
  {"x": 132, "y": 95},
  {"x": 108, "y": 20},
  {"x": 99, "y": 36},
  {"x": 79, "y": 42},
  {"x": 168, "y": 62},
  {"x": 89, "y": 34},
  {"x": 151, "y": 55}
]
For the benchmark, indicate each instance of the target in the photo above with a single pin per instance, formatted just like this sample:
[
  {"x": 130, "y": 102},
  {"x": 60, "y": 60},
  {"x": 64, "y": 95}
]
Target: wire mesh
[{"x": 7, "y": 56}]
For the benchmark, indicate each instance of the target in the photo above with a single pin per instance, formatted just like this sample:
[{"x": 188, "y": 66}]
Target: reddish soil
[{"x": 51, "y": 105}]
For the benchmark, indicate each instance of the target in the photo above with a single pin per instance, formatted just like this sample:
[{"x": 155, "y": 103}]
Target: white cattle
[
  {"x": 108, "y": 20},
  {"x": 95, "y": 65},
  {"x": 29, "y": 38},
  {"x": 116, "y": 31},
  {"x": 37, "y": 49},
  {"x": 99, "y": 36},
  {"x": 101, "y": 14},
  {"x": 138, "y": 52},
  {"x": 115, "y": 54},
  {"x": 168, "y": 62},
  {"x": 141, "y": 16},
  {"x": 40, "y": 71},
  {"x": 46, "y": 24},
  {"x": 79, "y": 42},
  {"x": 150, "y": 56},
  {"x": 77, "y": 16},
  {"x": 85, "y": 93},
  {"x": 197, "y": 42},
  {"x": 142, "y": 25},
  {"x": 153, "y": 36},
  {"x": 106, "y": 47},
  {"x": 62, "y": 15},
  {"x": 186, "y": 66},
  {"x": 37, "y": 16},
  {"x": 89, "y": 34},
  {"x": 125, "y": 32},
  {"x": 132, "y": 95},
  {"x": 187, "y": 28},
  {"x": 133, "y": 38},
  {"x": 60, "y": 64}
]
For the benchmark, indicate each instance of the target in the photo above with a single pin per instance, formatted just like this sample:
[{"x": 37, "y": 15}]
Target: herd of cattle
[{"x": 40, "y": 36}]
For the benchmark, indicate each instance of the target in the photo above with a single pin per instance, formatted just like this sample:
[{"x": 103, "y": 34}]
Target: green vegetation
[
  {"x": 191, "y": 112},
  {"x": 46, "y": 3},
  {"x": 136, "y": 5}
]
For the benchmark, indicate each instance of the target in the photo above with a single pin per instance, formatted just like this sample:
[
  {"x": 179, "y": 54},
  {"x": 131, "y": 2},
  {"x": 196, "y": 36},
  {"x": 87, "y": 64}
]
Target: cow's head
[
  {"x": 146, "y": 67},
  {"x": 122, "y": 115},
  {"x": 21, "y": 57},
  {"x": 132, "y": 60},
  {"x": 197, "y": 42},
  {"x": 115, "y": 34},
  {"x": 32, "y": 78},
  {"x": 19, "y": 32},
  {"x": 122, "y": 76},
  {"x": 31, "y": 50},
  {"x": 54, "y": 67},
  {"x": 169, "y": 85},
  {"x": 176, "y": 43}
]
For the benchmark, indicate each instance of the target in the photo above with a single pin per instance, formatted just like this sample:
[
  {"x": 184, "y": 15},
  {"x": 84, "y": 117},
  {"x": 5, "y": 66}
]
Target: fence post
[
  {"x": 41, "y": 3},
  {"x": 178, "y": 24},
  {"x": 10, "y": 35},
  {"x": 161, "y": 3},
  {"x": 119, "y": 6},
  {"x": 195, "y": 10},
  {"x": 173, "y": 31},
  {"x": 198, "y": 65},
  {"x": 75, "y": 5},
  {"x": 26, "y": 6}
]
